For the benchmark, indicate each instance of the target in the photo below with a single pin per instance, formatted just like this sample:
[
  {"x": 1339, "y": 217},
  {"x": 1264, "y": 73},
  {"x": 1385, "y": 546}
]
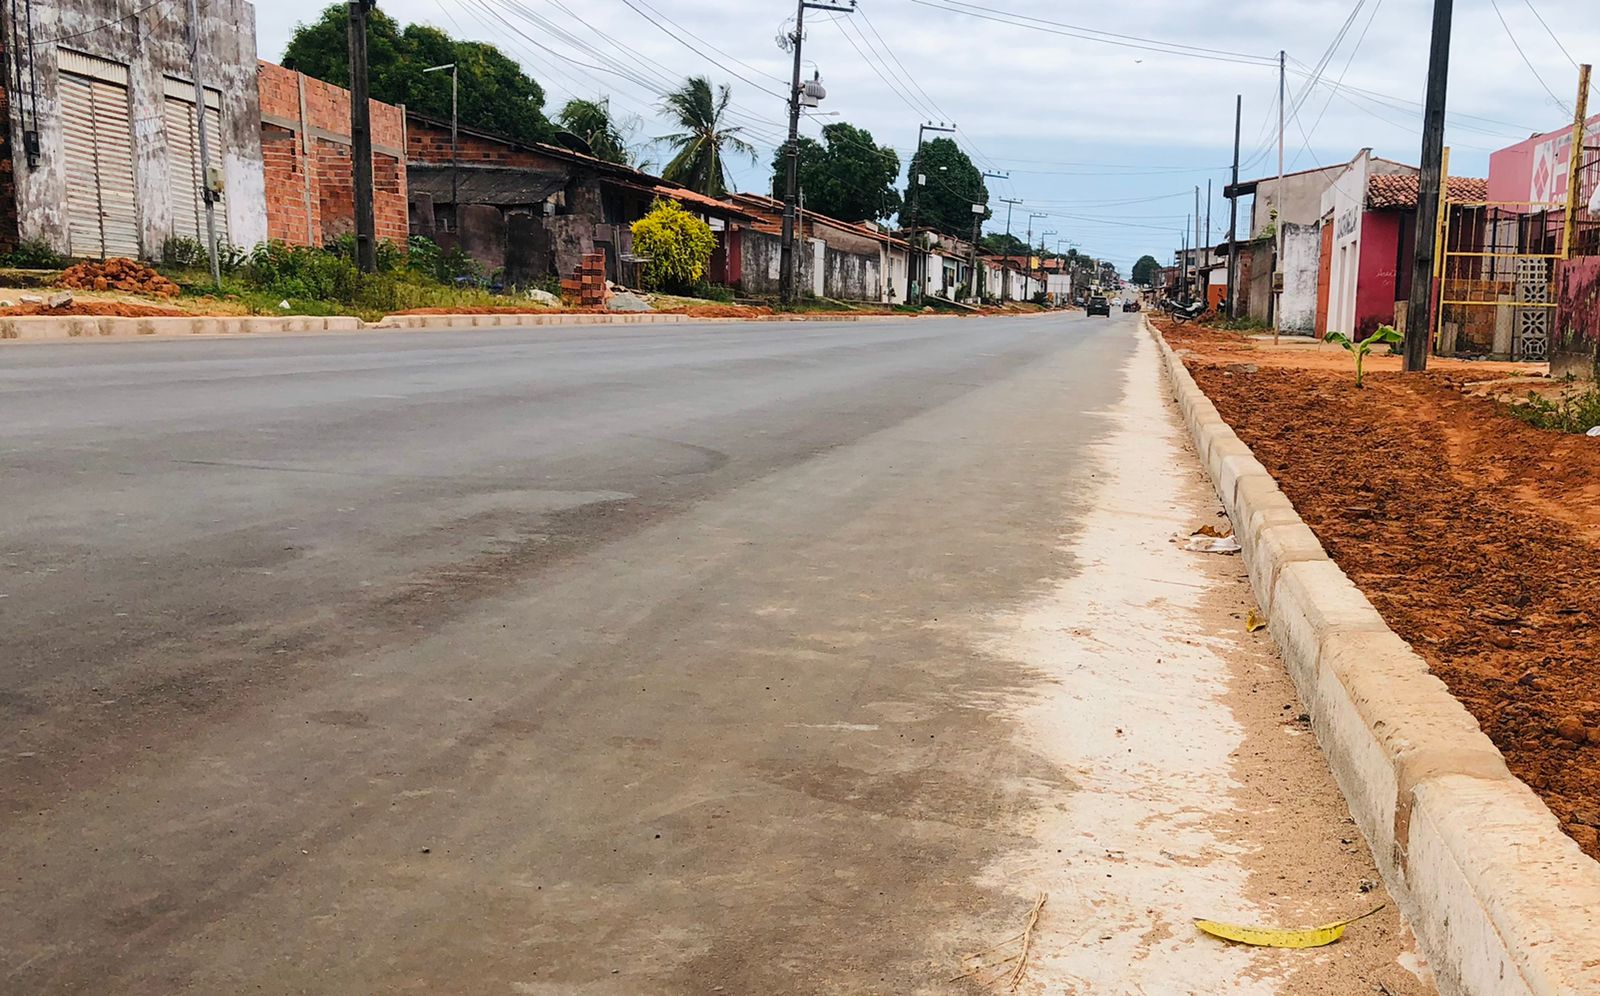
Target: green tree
[
  {"x": 1146, "y": 270},
  {"x": 1000, "y": 244},
  {"x": 495, "y": 94},
  {"x": 677, "y": 244},
  {"x": 698, "y": 159},
  {"x": 591, "y": 121},
  {"x": 953, "y": 185},
  {"x": 850, "y": 178}
]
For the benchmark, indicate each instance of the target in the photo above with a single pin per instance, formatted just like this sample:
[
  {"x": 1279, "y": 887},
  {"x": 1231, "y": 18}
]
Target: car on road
[
  {"x": 1097, "y": 306},
  {"x": 1131, "y": 304}
]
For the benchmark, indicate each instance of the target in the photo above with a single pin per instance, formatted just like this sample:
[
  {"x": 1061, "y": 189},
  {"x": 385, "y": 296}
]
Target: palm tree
[
  {"x": 698, "y": 162},
  {"x": 591, "y": 121}
]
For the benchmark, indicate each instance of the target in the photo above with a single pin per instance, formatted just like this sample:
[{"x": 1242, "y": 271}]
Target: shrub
[
  {"x": 34, "y": 254},
  {"x": 184, "y": 252},
  {"x": 448, "y": 266},
  {"x": 386, "y": 256},
  {"x": 714, "y": 292},
  {"x": 678, "y": 245}
]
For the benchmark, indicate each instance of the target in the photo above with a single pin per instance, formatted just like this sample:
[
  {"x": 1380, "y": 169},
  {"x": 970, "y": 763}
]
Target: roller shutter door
[
  {"x": 183, "y": 150},
  {"x": 97, "y": 137}
]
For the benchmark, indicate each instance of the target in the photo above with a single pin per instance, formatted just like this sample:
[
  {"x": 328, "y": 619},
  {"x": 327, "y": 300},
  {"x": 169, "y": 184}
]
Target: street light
[{"x": 455, "y": 166}]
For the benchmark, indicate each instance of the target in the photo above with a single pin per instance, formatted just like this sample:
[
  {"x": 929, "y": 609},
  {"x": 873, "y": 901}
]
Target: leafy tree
[
  {"x": 678, "y": 244},
  {"x": 495, "y": 94},
  {"x": 850, "y": 178},
  {"x": 1146, "y": 270},
  {"x": 1001, "y": 244},
  {"x": 591, "y": 121},
  {"x": 698, "y": 157},
  {"x": 953, "y": 186}
]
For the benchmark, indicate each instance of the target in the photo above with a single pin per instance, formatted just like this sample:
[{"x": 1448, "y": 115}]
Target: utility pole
[
  {"x": 1032, "y": 215},
  {"x": 977, "y": 220},
  {"x": 1005, "y": 280},
  {"x": 918, "y": 258},
  {"x": 1183, "y": 264},
  {"x": 1277, "y": 208},
  {"x": 361, "y": 137},
  {"x": 206, "y": 193},
  {"x": 1419, "y": 325},
  {"x": 1233, "y": 215},
  {"x": 788, "y": 288},
  {"x": 1196, "y": 243},
  {"x": 455, "y": 164}
]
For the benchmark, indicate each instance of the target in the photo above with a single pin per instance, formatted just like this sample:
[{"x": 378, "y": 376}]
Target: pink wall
[
  {"x": 1511, "y": 170},
  {"x": 1377, "y": 281}
]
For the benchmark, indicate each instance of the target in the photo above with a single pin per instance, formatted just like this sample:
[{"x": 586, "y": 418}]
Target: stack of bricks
[{"x": 589, "y": 285}]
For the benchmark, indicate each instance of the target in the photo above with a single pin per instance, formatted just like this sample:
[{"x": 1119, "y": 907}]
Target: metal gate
[
  {"x": 97, "y": 138},
  {"x": 183, "y": 152}
]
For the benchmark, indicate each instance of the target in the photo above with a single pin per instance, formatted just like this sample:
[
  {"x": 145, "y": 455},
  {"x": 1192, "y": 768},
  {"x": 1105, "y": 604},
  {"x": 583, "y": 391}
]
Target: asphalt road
[
  {"x": 561, "y": 661},
  {"x": 612, "y": 661}
]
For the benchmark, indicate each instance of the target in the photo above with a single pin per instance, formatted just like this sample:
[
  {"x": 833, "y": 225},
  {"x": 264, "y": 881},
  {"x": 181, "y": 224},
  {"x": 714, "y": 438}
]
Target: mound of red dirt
[{"x": 118, "y": 274}]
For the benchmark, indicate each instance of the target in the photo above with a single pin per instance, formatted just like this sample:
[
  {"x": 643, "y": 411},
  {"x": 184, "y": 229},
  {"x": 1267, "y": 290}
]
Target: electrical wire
[
  {"x": 1525, "y": 61},
  {"x": 1540, "y": 18}
]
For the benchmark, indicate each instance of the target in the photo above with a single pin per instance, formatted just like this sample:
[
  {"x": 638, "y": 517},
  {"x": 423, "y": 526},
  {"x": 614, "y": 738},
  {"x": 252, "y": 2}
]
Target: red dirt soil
[
  {"x": 693, "y": 311},
  {"x": 1476, "y": 536},
  {"x": 102, "y": 309}
]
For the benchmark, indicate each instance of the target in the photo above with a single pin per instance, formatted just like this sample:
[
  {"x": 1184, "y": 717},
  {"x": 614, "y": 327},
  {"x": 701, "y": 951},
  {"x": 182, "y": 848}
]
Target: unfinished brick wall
[
  {"x": 428, "y": 141},
  {"x": 310, "y": 186}
]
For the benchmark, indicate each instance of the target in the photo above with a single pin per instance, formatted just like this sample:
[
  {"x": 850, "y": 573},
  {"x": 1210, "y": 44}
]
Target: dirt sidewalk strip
[{"x": 1501, "y": 900}]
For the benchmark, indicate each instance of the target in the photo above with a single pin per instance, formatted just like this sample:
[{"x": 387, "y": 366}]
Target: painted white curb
[
  {"x": 1502, "y": 902},
  {"x": 89, "y": 327}
]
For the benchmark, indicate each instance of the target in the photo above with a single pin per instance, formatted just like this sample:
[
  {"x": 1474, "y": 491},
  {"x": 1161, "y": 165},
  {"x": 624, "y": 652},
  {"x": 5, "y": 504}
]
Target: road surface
[{"x": 769, "y": 658}]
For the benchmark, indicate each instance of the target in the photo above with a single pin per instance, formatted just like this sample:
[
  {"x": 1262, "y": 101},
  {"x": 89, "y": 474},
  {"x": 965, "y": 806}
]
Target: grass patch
[{"x": 1575, "y": 409}]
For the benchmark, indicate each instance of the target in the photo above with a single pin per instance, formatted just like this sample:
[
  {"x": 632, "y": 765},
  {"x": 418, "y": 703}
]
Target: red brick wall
[
  {"x": 430, "y": 143},
  {"x": 327, "y": 119}
]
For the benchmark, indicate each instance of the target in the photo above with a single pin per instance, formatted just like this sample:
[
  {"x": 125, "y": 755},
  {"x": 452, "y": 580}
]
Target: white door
[
  {"x": 97, "y": 139},
  {"x": 183, "y": 151}
]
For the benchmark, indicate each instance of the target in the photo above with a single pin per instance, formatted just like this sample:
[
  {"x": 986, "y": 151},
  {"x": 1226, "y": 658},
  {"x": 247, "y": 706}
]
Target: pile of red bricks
[{"x": 589, "y": 285}]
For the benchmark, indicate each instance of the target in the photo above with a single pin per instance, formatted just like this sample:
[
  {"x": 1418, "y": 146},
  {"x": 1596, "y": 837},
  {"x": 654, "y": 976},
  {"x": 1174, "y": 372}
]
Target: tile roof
[{"x": 1399, "y": 190}]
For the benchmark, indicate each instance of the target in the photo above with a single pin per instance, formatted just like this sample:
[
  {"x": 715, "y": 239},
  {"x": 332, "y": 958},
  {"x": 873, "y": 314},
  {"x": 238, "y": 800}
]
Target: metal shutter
[
  {"x": 97, "y": 138},
  {"x": 183, "y": 150}
]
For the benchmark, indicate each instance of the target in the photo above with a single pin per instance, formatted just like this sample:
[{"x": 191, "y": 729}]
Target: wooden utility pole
[
  {"x": 1233, "y": 215},
  {"x": 1574, "y": 159},
  {"x": 361, "y": 139},
  {"x": 1419, "y": 324},
  {"x": 1005, "y": 278}
]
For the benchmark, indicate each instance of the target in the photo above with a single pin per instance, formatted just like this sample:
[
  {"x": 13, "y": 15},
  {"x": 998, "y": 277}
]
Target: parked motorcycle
[{"x": 1183, "y": 312}]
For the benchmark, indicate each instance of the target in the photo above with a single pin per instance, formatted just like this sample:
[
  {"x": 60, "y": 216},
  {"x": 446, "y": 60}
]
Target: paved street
[{"x": 771, "y": 658}]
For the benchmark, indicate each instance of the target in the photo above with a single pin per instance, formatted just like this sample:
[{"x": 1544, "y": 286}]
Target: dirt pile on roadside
[
  {"x": 1475, "y": 535},
  {"x": 93, "y": 309},
  {"x": 118, "y": 274}
]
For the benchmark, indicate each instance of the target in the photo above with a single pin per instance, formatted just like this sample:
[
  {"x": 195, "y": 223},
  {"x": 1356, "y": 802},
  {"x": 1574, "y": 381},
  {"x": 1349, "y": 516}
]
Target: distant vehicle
[
  {"x": 1130, "y": 305},
  {"x": 1097, "y": 306}
]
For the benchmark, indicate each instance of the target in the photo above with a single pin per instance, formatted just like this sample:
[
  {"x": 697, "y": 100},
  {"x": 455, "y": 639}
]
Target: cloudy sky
[{"x": 1104, "y": 115}]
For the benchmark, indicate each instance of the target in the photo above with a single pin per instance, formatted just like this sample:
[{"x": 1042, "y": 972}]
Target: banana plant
[{"x": 1359, "y": 350}]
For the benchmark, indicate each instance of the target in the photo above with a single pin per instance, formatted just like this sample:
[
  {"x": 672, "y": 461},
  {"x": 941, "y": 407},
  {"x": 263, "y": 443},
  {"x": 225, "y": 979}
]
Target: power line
[
  {"x": 1554, "y": 38},
  {"x": 1095, "y": 35},
  {"x": 1525, "y": 61}
]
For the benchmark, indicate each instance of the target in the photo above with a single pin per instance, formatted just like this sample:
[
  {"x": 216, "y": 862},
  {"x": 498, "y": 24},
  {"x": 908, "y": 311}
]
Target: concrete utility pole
[
  {"x": 1233, "y": 215},
  {"x": 919, "y": 257},
  {"x": 1418, "y": 324},
  {"x": 1277, "y": 208},
  {"x": 361, "y": 138},
  {"x": 1005, "y": 281},
  {"x": 1196, "y": 234},
  {"x": 788, "y": 286},
  {"x": 455, "y": 164},
  {"x": 207, "y": 195},
  {"x": 1032, "y": 215}
]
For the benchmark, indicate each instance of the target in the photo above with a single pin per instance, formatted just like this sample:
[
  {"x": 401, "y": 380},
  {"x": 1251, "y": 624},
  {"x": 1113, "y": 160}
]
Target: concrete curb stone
[{"x": 1502, "y": 902}]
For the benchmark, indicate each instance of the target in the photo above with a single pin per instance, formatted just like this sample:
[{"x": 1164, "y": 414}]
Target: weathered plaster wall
[
  {"x": 153, "y": 44},
  {"x": 1576, "y": 343},
  {"x": 1302, "y": 248}
]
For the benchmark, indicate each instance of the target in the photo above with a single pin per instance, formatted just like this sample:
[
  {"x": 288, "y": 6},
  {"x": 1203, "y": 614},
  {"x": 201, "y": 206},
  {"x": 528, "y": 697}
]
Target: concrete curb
[
  {"x": 1502, "y": 902},
  {"x": 35, "y": 327}
]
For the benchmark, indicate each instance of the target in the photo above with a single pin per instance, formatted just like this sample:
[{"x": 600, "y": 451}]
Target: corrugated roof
[
  {"x": 770, "y": 211},
  {"x": 1393, "y": 191}
]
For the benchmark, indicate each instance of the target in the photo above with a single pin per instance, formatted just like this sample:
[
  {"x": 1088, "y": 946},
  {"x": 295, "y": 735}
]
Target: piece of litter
[
  {"x": 1253, "y": 622},
  {"x": 1201, "y": 543},
  {"x": 1274, "y": 937},
  {"x": 284, "y": 304},
  {"x": 1594, "y": 431}
]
